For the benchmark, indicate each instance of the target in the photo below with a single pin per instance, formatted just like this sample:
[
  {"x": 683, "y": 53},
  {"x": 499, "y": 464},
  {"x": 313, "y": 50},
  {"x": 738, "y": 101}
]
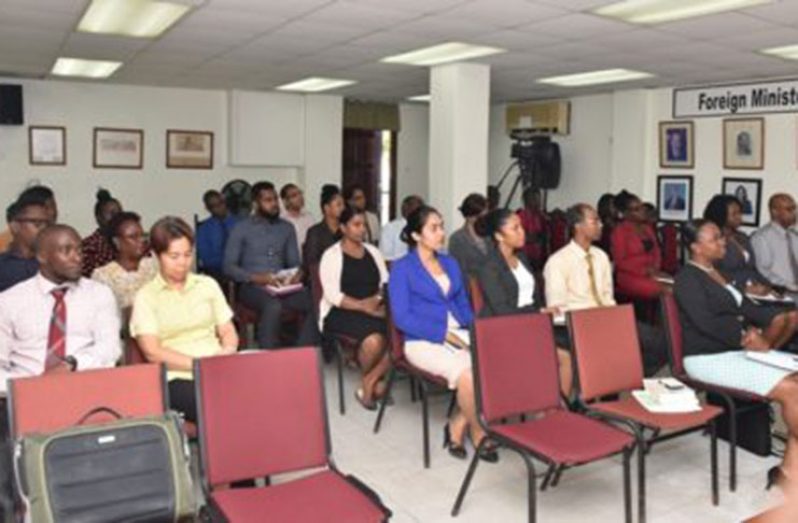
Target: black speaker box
[
  {"x": 753, "y": 424},
  {"x": 11, "y": 105}
]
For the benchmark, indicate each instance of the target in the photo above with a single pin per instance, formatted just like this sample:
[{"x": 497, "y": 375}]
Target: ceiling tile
[
  {"x": 364, "y": 16},
  {"x": 514, "y": 40},
  {"x": 578, "y": 26},
  {"x": 446, "y": 27},
  {"x": 505, "y": 13},
  {"x": 102, "y": 47},
  {"x": 708, "y": 27}
]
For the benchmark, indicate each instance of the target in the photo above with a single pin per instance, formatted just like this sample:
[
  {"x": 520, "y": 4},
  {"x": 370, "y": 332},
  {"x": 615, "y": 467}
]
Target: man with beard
[{"x": 257, "y": 250}]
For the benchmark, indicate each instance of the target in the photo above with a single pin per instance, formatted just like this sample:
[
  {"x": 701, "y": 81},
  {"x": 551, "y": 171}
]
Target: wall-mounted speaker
[{"x": 11, "y": 105}]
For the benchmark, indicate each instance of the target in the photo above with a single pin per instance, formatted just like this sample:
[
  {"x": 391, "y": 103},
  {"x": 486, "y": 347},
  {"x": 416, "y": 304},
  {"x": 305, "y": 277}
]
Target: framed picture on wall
[
  {"x": 676, "y": 147},
  {"x": 744, "y": 143},
  {"x": 46, "y": 145},
  {"x": 118, "y": 148},
  {"x": 189, "y": 149},
  {"x": 675, "y": 198},
  {"x": 749, "y": 192}
]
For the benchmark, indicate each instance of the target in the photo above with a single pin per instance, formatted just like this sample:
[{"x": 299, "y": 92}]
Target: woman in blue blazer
[{"x": 429, "y": 304}]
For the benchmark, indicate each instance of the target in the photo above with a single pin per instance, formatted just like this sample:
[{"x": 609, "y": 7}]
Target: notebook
[
  {"x": 774, "y": 358},
  {"x": 281, "y": 290}
]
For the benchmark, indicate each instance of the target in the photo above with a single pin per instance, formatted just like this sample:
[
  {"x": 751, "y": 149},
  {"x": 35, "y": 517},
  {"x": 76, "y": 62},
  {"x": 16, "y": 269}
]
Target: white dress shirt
[
  {"x": 92, "y": 324},
  {"x": 773, "y": 256},
  {"x": 391, "y": 244},
  {"x": 568, "y": 279}
]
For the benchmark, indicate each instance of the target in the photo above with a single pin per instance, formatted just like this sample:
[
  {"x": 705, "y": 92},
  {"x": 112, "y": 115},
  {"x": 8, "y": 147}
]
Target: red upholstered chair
[
  {"x": 425, "y": 380},
  {"x": 673, "y": 331},
  {"x": 669, "y": 236},
  {"x": 52, "y": 402},
  {"x": 516, "y": 377},
  {"x": 261, "y": 414},
  {"x": 610, "y": 364},
  {"x": 475, "y": 293},
  {"x": 345, "y": 347}
]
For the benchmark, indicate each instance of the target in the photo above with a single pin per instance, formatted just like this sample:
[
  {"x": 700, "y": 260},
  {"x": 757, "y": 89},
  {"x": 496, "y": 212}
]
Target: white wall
[
  {"x": 154, "y": 190},
  {"x": 412, "y": 152}
]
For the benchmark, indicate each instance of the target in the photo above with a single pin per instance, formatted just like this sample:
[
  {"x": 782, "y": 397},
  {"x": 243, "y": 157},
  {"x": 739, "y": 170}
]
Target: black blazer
[
  {"x": 711, "y": 320},
  {"x": 500, "y": 288},
  {"x": 734, "y": 266}
]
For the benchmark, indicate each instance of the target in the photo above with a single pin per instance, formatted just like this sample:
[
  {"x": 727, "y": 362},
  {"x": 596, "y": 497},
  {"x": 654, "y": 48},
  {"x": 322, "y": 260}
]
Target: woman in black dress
[{"x": 352, "y": 274}]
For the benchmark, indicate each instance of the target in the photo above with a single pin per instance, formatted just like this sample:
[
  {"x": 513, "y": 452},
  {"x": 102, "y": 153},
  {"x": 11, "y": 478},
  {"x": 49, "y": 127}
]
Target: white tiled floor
[{"x": 391, "y": 463}]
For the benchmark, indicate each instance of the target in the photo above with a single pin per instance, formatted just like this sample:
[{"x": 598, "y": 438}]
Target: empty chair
[
  {"x": 516, "y": 378},
  {"x": 609, "y": 363},
  {"x": 262, "y": 414}
]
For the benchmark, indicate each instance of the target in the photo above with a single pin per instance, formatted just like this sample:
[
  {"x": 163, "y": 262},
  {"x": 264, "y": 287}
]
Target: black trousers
[
  {"x": 6, "y": 468},
  {"x": 182, "y": 398},
  {"x": 270, "y": 308}
]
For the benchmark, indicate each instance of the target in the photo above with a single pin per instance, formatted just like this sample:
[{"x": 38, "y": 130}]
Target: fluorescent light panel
[
  {"x": 789, "y": 52},
  {"x": 443, "y": 53},
  {"x": 85, "y": 68},
  {"x": 420, "y": 98},
  {"x": 659, "y": 11},
  {"x": 316, "y": 84},
  {"x": 138, "y": 18},
  {"x": 604, "y": 76}
]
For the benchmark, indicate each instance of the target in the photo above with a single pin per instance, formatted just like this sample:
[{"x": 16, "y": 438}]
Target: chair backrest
[
  {"x": 316, "y": 289},
  {"x": 670, "y": 248},
  {"x": 607, "y": 351},
  {"x": 477, "y": 299},
  {"x": 673, "y": 333},
  {"x": 515, "y": 365},
  {"x": 55, "y": 401},
  {"x": 260, "y": 413},
  {"x": 133, "y": 353},
  {"x": 396, "y": 339}
]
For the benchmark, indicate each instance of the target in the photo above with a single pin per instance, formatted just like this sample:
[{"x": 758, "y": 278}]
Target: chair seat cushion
[
  {"x": 566, "y": 437},
  {"x": 324, "y": 496},
  {"x": 632, "y": 409}
]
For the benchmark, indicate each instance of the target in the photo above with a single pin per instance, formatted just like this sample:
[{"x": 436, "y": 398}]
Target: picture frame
[
  {"x": 749, "y": 192},
  {"x": 116, "y": 148},
  {"x": 47, "y": 145},
  {"x": 189, "y": 149},
  {"x": 675, "y": 198},
  {"x": 744, "y": 143},
  {"x": 676, "y": 145}
]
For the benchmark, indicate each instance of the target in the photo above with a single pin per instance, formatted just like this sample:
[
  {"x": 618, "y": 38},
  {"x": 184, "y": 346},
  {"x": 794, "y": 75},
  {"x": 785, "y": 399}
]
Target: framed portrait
[
  {"x": 675, "y": 198},
  {"x": 744, "y": 143},
  {"x": 118, "y": 148},
  {"x": 749, "y": 192},
  {"x": 676, "y": 147},
  {"x": 189, "y": 149},
  {"x": 46, "y": 145}
]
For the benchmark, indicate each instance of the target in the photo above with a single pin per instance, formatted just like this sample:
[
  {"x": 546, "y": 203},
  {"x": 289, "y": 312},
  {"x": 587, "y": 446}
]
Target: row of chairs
[{"x": 260, "y": 415}]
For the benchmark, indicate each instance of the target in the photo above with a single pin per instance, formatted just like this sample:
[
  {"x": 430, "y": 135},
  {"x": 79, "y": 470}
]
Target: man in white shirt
[
  {"x": 579, "y": 276},
  {"x": 776, "y": 244},
  {"x": 294, "y": 205},
  {"x": 54, "y": 322},
  {"x": 391, "y": 243}
]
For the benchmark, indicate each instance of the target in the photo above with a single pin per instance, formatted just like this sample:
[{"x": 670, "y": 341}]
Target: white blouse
[{"x": 526, "y": 285}]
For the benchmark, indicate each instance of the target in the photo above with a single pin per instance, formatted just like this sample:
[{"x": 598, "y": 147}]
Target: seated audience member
[
  {"x": 494, "y": 197},
  {"x": 355, "y": 196},
  {"x": 719, "y": 324},
  {"x": 18, "y": 262},
  {"x": 506, "y": 279},
  {"x": 54, "y": 322},
  {"x": 97, "y": 248},
  {"x": 608, "y": 214},
  {"x": 536, "y": 229},
  {"x": 465, "y": 244},
  {"x": 738, "y": 264},
  {"x": 212, "y": 234},
  {"x": 651, "y": 215},
  {"x": 294, "y": 204},
  {"x": 352, "y": 274},
  {"x": 324, "y": 234},
  {"x": 579, "y": 276},
  {"x": 391, "y": 244},
  {"x": 257, "y": 250},
  {"x": 429, "y": 305},
  {"x": 635, "y": 251},
  {"x": 180, "y": 316},
  {"x": 35, "y": 194},
  {"x": 132, "y": 268},
  {"x": 776, "y": 244}
]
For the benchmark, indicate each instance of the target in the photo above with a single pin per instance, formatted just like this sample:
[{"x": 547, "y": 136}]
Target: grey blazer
[
  {"x": 500, "y": 288},
  {"x": 466, "y": 251}
]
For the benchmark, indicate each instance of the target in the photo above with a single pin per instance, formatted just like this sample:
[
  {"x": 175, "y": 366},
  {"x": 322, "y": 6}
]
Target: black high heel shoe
[
  {"x": 489, "y": 452},
  {"x": 775, "y": 477},
  {"x": 456, "y": 451}
]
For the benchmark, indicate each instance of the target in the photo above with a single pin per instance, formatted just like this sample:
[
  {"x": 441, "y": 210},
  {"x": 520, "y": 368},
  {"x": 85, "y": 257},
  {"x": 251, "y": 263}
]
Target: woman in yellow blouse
[{"x": 179, "y": 315}]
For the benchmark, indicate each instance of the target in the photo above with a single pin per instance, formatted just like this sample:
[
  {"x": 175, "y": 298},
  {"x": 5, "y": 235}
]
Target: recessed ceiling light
[
  {"x": 604, "y": 76},
  {"x": 659, "y": 11},
  {"x": 86, "y": 68},
  {"x": 316, "y": 84},
  {"x": 420, "y": 98},
  {"x": 443, "y": 53},
  {"x": 789, "y": 52},
  {"x": 139, "y": 18}
]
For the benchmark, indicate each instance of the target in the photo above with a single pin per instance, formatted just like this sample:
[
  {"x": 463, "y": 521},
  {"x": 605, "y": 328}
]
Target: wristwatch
[{"x": 72, "y": 362}]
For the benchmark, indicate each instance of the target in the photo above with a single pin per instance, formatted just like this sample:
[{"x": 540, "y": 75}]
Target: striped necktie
[{"x": 56, "y": 340}]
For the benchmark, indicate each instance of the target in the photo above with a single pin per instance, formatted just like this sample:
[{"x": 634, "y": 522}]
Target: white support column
[{"x": 459, "y": 120}]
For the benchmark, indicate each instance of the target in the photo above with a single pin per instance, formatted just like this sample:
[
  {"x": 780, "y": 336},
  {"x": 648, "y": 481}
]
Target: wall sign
[{"x": 779, "y": 96}]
